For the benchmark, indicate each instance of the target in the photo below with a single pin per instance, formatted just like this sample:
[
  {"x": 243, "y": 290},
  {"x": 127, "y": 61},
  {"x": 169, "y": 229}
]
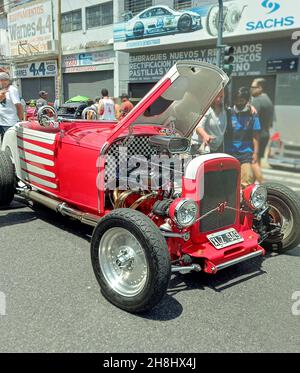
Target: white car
[{"x": 160, "y": 20}]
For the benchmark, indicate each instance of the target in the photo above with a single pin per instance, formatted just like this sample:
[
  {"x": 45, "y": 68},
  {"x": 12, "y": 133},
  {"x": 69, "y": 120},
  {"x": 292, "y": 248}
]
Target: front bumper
[{"x": 215, "y": 260}]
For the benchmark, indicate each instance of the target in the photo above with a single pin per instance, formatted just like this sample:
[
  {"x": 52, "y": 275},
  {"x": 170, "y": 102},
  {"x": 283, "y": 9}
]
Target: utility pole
[
  {"x": 220, "y": 34},
  {"x": 59, "y": 60}
]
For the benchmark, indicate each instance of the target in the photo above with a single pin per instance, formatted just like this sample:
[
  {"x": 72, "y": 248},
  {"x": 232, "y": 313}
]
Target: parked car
[
  {"x": 162, "y": 19},
  {"x": 72, "y": 110},
  {"x": 147, "y": 226}
]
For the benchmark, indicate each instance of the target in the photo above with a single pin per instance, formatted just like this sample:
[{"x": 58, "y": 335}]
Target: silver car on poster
[{"x": 161, "y": 20}]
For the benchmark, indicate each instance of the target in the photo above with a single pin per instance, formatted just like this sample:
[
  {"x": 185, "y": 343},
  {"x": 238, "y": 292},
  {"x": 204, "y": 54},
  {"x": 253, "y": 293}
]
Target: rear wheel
[
  {"x": 7, "y": 180},
  {"x": 284, "y": 212},
  {"x": 138, "y": 30},
  {"x": 185, "y": 23},
  {"x": 131, "y": 261}
]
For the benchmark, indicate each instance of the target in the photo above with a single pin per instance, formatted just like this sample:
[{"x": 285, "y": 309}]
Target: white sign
[
  {"x": 36, "y": 69},
  {"x": 88, "y": 59},
  {"x": 30, "y": 29},
  {"x": 161, "y": 25}
]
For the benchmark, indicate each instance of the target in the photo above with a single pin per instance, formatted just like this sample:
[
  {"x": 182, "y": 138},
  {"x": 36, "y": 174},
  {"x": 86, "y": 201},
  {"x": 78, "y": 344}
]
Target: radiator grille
[{"x": 219, "y": 187}]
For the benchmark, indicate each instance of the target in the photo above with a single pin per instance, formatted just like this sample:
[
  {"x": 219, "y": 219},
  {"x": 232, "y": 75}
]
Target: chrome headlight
[
  {"x": 184, "y": 212},
  {"x": 259, "y": 197}
]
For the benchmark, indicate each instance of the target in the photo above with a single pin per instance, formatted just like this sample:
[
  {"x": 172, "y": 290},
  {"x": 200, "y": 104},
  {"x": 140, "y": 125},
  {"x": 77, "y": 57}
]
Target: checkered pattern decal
[{"x": 135, "y": 146}]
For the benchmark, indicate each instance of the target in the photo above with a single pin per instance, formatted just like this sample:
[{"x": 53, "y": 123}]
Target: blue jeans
[{"x": 3, "y": 129}]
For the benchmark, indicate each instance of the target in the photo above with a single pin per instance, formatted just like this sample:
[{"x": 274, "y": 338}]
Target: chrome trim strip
[{"x": 240, "y": 260}]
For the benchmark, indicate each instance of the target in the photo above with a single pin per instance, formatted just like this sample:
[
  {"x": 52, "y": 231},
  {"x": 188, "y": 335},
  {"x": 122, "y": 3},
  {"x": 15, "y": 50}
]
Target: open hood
[{"x": 179, "y": 99}]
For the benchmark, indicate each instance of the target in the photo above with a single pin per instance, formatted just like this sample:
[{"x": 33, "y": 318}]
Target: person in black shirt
[{"x": 265, "y": 111}]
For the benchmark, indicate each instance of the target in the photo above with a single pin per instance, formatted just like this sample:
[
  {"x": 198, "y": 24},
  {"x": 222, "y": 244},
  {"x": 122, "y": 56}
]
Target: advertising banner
[
  {"x": 251, "y": 59},
  {"x": 162, "y": 25},
  {"x": 87, "y": 61},
  {"x": 30, "y": 29},
  {"x": 41, "y": 69}
]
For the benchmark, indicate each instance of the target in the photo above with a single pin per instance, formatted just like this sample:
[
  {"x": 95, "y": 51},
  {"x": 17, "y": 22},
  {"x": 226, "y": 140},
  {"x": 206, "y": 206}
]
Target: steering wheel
[
  {"x": 89, "y": 114},
  {"x": 47, "y": 117}
]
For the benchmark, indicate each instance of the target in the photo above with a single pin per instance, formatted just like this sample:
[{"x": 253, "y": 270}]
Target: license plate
[{"x": 223, "y": 239}]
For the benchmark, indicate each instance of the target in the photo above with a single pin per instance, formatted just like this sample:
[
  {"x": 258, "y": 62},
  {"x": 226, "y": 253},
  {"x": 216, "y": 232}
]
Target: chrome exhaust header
[{"x": 61, "y": 207}]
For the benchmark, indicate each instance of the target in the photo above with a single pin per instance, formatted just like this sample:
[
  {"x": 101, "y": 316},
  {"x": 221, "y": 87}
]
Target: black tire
[
  {"x": 185, "y": 23},
  {"x": 139, "y": 30},
  {"x": 155, "y": 251},
  {"x": 285, "y": 200},
  {"x": 7, "y": 180}
]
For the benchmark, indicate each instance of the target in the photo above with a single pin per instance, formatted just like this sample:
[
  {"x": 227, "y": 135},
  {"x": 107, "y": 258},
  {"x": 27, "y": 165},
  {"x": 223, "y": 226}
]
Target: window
[
  {"x": 137, "y": 6},
  {"x": 182, "y": 4},
  {"x": 71, "y": 21},
  {"x": 99, "y": 15}
]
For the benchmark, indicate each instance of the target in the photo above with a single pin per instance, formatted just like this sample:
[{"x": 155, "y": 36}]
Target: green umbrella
[{"x": 78, "y": 99}]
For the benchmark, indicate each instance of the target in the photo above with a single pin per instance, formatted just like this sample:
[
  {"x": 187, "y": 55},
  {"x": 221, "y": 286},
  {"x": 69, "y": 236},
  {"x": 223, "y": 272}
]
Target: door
[
  {"x": 32, "y": 87},
  {"x": 88, "y": 84}
]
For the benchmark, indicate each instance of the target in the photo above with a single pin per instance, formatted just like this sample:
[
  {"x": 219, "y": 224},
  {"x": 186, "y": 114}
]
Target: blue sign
[{"x": 271, "y": 5}]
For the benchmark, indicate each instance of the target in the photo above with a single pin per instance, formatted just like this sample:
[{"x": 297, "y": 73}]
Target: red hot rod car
[{"x": 148, "y": 225}]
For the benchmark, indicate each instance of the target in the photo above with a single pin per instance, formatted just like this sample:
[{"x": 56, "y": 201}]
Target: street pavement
[
  {"x": 288, "y": 178},
  {"x": 53, "y": 302}
]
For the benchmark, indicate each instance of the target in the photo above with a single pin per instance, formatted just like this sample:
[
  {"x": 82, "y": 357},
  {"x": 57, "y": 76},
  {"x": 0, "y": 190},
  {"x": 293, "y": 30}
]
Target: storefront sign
[
  {"x": 30, "y": 29},
  {"x": 250, "y": 59},
  {"x": 162, "y": 25},
  {"x": 36, "y": 69},
  {"x": 287, "y": 65},
  {"x": 87, "y": 61}
]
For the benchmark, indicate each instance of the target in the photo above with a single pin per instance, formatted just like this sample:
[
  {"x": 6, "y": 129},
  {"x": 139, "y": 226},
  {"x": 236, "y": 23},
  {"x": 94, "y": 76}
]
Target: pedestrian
[
  {"x": 106, "y": 107},
  {"x": 92, "y": 110},
  {"x": 42, "y": 100},
  {"x": 95, "y": 105},
  {"x": 265, "y": 110},
  {"x": 242, "y": 135},
  {"x": 11, "y": 109},
  {"x": 126, "y": 105},
  {"x": 24, "y": 106},
  {"x": 211, "y": 129},
  {"x": 117, "y": 108}
]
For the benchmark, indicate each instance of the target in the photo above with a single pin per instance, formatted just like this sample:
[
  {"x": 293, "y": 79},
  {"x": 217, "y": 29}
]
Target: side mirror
[{"x": 47, "y": 117}]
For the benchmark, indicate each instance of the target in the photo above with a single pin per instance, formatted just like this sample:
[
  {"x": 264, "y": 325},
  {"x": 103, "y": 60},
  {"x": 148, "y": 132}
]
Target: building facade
[
  {"x": 265, "y": 34},
  {"x": 128, "y": 45}
]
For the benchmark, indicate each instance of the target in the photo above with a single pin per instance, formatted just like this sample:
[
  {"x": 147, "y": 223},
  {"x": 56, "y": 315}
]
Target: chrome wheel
[
  {"x": 281, "y": 215},
  {"x": 123, "y": 262}
]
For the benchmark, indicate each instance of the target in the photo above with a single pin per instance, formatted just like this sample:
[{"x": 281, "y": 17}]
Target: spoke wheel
[
  {"x": 123, "y": 262},
  {"x": 131, "y": 260},
  {"x": 284, "y": 212}
]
